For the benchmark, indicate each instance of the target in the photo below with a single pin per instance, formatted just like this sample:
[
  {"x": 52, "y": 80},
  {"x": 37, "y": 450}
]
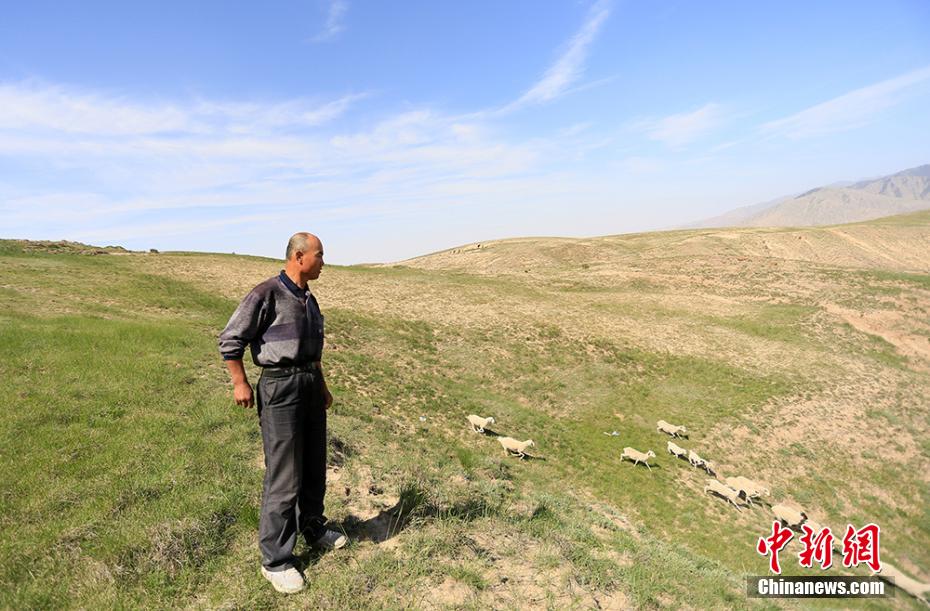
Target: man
[{"x": 281, "y": 322}]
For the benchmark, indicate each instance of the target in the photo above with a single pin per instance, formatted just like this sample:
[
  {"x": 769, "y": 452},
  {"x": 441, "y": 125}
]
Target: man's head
[{"x": 304, "y": 255}]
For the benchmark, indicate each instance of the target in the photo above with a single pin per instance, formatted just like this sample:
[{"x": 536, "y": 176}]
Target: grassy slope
[{"x": 134, "y": 481}]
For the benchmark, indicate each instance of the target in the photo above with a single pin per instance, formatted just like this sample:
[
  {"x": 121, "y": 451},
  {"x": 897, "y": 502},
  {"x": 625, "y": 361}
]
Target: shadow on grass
[
  {"x": 414, "y": 506},
  {"x": 387, "y": 524},
  {"x": 726, "y": 500},
  {"x": 532, "y": 457},
  {"x": 641, "y": 465}
]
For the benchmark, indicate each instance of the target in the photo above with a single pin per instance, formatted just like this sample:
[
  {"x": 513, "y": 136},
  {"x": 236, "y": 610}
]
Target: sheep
[
  {"x": 816, "y": 527},
  {"x": 903, "y": 582},
  {"x": 694, "y": 459},
  {"x": 789, "y": 517},
  {"x": 478, "y": 423},
  {"x": 723, "y": 490},
  {"x": 697, "y": 461},
  {"x": 636, "y": 456},
  {"x": 751, "y": 489},
  {"x": 677, "y": 450},
  {"x": 517, "y": 447},
  {"x": 675, "y": 431}
]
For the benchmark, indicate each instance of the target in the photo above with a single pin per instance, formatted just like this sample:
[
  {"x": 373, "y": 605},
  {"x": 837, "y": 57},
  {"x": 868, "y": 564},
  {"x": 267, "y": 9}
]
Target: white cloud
[
  {"x": 291, "y": 113},
  {"x": 186, "y": 167},
  {"x": 36, "y": 108},
  {"x": 681, "y": 129},
  {"x": 334, "y": 21},
  {"x": 227, "y": 153},
  {"x": 42, "y": 107},
  {"x": 848, "y": 111},
  {"x": 570, "y": 65}
]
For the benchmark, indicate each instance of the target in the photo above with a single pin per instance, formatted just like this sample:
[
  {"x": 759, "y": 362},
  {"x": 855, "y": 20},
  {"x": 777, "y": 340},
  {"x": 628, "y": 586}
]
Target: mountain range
[{"x": 905, "y": 191}]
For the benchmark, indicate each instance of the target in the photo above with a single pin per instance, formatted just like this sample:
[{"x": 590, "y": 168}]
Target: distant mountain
[
  {"x": 906, "y": 191},
  {"x": 736, "y": 218}
]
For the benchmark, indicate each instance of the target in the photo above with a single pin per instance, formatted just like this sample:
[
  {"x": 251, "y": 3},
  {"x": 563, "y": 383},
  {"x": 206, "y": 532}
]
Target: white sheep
[
  {"x": 903, "y": 582},
  {"x": 697, "y": 461},
  {"x": 517, "y": 447},
  {"x": 788, "y": 516},
  {"x": 694, "y": 459},
  {"x": 751, "y": 489},
  {"x": 816, "y": 527},
  {"x": 677, "y": 450},
  {"x": 478, "y": 423},
  {"x": 723, "y": 490},
  {"x": 675, "y": 431},
  {"x": 636, "y": 456}
]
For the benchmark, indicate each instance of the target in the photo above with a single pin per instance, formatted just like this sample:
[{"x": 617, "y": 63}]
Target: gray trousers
[{"x": 292, "y": 415}]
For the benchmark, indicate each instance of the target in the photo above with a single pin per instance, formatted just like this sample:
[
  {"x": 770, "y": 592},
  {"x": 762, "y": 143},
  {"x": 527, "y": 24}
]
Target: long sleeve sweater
[{"x": 280, "y": 322}]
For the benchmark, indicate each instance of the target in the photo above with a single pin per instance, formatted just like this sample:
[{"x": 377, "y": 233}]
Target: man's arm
[
  {"x": 242, "y": 390},
  {"x": 243, "y": 326}
]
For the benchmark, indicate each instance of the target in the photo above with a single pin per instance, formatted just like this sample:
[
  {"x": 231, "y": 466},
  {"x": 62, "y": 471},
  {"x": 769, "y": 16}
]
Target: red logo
[
  {"x": 819, "y": 547},
  {"x": 859, "y": 546},
  {"x": 774, "y": 544},
  {"x": 862, "y": 546}
]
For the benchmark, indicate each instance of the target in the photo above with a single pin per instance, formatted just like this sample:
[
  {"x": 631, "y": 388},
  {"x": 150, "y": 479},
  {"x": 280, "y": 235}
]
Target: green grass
[
  {"x": 884, "y": 276},
  {"x": 784, "y": 323}
]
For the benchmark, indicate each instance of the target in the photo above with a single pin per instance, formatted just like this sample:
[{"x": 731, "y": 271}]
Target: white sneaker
[
  {"x": 332, "y": 540},
  {"x": 287, "y": 581}
]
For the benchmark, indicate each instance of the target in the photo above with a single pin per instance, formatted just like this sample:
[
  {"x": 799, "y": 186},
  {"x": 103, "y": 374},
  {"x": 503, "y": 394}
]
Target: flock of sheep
[
  {"x": 736, "y": 489},
  {"x": 733, "y": 489}
]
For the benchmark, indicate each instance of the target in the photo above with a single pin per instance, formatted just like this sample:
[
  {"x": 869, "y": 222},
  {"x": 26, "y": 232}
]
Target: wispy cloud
[
  {"x": 681, "y": 129},
  {"x": 570, "y": 64},
  {"x": 334, "y": 25},
  {"x": 202, "y": 160},
  {"x": 39, "y": 107},
  {"x": 848, "y": 111}
]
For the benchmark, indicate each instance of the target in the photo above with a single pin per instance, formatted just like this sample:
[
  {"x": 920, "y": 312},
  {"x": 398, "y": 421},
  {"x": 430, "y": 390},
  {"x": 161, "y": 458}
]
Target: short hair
[{"x": 297, "y": 242}]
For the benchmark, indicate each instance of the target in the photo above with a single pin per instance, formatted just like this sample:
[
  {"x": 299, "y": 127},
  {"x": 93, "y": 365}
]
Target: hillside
[
  {"x": 900, "y": 193},
  {"x": 796, "y": 357},
  {"x": 898, "y": 243}
]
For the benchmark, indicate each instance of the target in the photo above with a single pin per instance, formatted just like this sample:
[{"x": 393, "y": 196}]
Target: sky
[{"x": 395, "y": 129}]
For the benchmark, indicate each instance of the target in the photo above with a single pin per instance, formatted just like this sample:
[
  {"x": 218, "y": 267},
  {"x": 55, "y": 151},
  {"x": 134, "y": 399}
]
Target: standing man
[{"x": 281, "y": 322}]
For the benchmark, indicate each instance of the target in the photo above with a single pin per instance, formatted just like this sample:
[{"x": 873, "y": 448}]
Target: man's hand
[
  {"x": 242, "y": 390},
  {"x": 329, "y": 398},
  {"x": 243, "y": 395}
]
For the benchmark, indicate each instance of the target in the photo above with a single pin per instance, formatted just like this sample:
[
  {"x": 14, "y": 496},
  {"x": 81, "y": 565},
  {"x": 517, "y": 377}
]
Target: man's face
[{"x": 311, "y": 262}]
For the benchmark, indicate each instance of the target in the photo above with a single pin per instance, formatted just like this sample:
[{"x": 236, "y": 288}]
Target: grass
[{"x": 133, "y": 481}]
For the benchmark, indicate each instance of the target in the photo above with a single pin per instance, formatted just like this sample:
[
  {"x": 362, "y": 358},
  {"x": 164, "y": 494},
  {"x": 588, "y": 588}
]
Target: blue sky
[{"x": 393, "y": 129}]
